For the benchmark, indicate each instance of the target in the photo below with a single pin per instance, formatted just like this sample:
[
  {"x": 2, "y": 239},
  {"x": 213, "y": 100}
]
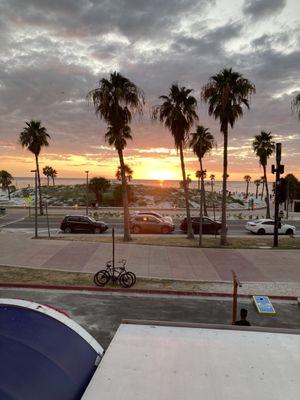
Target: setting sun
[{"x": 162, "y": 175}]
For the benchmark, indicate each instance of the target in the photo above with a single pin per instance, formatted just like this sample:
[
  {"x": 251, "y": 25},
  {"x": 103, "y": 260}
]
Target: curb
[{"x": 136, "y": 291}]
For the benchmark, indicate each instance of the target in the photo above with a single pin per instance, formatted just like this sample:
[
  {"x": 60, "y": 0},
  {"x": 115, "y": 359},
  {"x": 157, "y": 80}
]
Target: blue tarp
[{"x": 41, "y": 358}]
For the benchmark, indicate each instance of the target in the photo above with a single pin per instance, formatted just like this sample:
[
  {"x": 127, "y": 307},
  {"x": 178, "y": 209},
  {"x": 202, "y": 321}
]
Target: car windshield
[{"x": 92, "y": 219}]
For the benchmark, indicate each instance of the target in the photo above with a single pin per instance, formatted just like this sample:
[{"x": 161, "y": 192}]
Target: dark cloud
[{"x": 258, "y": 9}]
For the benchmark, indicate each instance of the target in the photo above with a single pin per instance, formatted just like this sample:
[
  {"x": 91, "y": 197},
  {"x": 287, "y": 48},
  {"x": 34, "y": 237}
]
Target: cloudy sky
[{"x": 54, "y": 51}]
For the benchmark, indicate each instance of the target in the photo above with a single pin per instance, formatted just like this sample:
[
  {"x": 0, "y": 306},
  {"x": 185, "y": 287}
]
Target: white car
[
  {"x": 265, "y": 226},
  {"x": 153, "y": 214}
]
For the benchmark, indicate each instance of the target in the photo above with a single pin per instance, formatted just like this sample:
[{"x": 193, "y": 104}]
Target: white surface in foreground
[{"x": 146, "y": 362}]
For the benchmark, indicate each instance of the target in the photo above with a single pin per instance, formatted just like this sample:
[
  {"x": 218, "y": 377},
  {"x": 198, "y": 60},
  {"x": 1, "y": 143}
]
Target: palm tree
[
  {"x": 5, "y": 181},
  {"x": 98, "y": 186},
  {"x": 226, "y": 93},
  {"x": 212, "y": 181},
  {"x": 296, "y": 104},
  {"x": 201, "y": 143},
  {"x": 257, "y": 183},
  {"x": 115, "y": 100},
  {"x": 128, "y": 173},
  {"x": 178, "y": 114},
  {"x": 47, "y": 172},
  {"x": 264, "y": 147},
  {"x": 53, "y": 175},
  {"x": 34, "y": 137},
  {"x": 247, "y": 179}
]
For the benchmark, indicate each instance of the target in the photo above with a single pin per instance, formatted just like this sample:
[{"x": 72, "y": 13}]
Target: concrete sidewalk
[{"x": 213, "y": 265}]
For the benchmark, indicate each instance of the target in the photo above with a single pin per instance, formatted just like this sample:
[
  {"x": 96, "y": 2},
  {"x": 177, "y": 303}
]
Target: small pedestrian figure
[{"x": 243, "y": 321}]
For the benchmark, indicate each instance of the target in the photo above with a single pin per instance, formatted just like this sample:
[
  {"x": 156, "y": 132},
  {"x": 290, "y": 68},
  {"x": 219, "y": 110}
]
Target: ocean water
[{"x": 232, "y": 186}]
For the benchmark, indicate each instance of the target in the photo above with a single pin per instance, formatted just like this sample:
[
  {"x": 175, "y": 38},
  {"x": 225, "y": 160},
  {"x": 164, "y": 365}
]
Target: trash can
[{"x": 2, "y": 210}]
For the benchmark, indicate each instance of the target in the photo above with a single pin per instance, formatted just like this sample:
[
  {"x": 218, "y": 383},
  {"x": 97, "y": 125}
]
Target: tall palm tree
[
  {"x": 226, "y": 93},
  {"x": 53, "y": 175},
  {"x": 128, "y": 173},
  {"x": 34, "y": 137},
  {"x": 47, "y": 172},
  {"x": 178, "y": 114},
  {"x": 247, "y": 179},
  {"x": 212, "y": 182},
  {"x": 264, "y": 147},
  {"x": 201, "y": 143},
  {"x": 257, "y": 183},
  {"x": 115, "y": 100},
  {"x": 5, "y": 181}
]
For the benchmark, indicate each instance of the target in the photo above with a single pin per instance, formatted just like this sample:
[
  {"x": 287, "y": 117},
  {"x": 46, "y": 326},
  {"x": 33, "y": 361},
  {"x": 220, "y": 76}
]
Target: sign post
[{"x": 278, "y": 170}]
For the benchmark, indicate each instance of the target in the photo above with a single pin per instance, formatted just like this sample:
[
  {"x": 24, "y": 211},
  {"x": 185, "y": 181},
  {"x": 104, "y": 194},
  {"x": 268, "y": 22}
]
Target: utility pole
[
  {"x": 35, "y": 204},
  {"x": 278, "y": 170},
  {"x": 236, "y": 284},
  {"x": 87, "y": 192}
]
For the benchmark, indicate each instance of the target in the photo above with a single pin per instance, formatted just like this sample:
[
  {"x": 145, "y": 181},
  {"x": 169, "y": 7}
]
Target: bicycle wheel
[
  {"x": 133, "y": 276},
  {"x": 126, "y": 280},
  {"x": 101, "y": 277}
]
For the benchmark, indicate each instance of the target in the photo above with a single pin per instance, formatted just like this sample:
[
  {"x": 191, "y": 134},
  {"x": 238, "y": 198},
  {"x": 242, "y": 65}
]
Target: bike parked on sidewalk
[{"x": 115, "y": 274}]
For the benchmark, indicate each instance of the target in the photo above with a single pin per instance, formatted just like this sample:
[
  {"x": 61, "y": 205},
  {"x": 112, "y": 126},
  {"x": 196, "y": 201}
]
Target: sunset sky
[{"x": 54, "y": 51}]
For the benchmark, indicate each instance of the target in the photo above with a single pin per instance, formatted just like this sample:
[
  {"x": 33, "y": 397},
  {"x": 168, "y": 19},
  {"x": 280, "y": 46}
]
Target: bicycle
[{"x": 115, "y": 274}]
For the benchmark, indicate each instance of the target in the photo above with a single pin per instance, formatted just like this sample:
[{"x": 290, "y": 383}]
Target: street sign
[{"x": 263, "y": 305}]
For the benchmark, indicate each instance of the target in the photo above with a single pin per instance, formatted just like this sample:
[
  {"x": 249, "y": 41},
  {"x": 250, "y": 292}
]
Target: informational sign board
[{"x": 263, "y": 305}]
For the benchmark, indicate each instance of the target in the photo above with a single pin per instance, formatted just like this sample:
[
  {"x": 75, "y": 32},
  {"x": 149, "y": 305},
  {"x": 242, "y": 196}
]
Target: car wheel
[
  {"x": 261, "y": 231},
  {"x": 165, "y": 230},
  {"x": 289, "y": 231},
  {"x": 136, "y": 229},
  {"x": 68, "y": 230},
  {"x": 97, "y": 230}
]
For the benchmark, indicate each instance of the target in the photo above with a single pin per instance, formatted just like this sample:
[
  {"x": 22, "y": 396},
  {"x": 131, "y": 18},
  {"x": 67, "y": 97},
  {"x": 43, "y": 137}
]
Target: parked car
[
  {"x": 208, "y": 225},
  {"x": 150, "y": 224},
  {"x": 154, "y": 214},
  {"x": 82, "y": 223},
  {"x": 265, "y": 226}
]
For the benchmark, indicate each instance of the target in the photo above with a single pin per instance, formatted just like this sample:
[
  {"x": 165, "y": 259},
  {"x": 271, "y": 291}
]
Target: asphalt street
[
  {"x": 101, "y": 314},
  {"x": 235, "y": 228}
]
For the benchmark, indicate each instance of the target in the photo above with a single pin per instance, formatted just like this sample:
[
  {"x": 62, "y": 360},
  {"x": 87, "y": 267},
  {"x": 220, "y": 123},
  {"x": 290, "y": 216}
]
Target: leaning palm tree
[
  {"x": 247, "y": 179},
  {"x": 178, "y": 114},
  {"x": 264, "y": 147},
  {"x": 201, "y": 143},
  {"x": 34, "y": 137},
  {"x": 212, "y": 182},
  {"x": 226, "y": 93},
  {"x": 5, "y": 181},
  {"x": 257, "y": 183},
  {"x": 115, "y": 100},
  {"x": 128, "y": 173}
]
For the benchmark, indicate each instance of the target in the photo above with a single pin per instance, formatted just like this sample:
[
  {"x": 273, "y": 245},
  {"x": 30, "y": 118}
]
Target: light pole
[
  {"x": 87, "y": 192},
  {"x": 35, "y": 204}
]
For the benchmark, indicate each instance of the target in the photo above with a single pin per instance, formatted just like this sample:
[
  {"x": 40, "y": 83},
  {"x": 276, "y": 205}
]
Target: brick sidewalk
[{"x": 153, "y": 261}]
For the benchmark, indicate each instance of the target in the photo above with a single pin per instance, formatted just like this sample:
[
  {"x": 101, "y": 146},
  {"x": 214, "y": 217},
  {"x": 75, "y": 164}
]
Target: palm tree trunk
[
  {"x": 247, "y": 189},
  {"x": 212, "y": 186},
  {"x": 262, "y": 190},
  {"x": 224, "y": 194},
  {"x": 47, "y": 180},
  {"x": 190, "y": 234},
  {"x": 127, "y": 236},
  {"x": 267, "y": 193},
  {"x": 8, "y": 191},
  {"x": 256, "y": 194},
  {"x": 53, "y": 181},
  {"x": 203, "y": 189},
  {"x": 39, "y": 184}
]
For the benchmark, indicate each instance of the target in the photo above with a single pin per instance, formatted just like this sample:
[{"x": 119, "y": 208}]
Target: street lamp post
[
  {"x": 87, "y": 192},
  {"x": 35, "y": 204}
]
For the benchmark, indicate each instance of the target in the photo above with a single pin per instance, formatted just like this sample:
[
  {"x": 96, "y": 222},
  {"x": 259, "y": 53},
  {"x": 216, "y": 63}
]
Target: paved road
[
  {"x": 101, "y": 314},
  {"x": 235, "y": 228}
]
